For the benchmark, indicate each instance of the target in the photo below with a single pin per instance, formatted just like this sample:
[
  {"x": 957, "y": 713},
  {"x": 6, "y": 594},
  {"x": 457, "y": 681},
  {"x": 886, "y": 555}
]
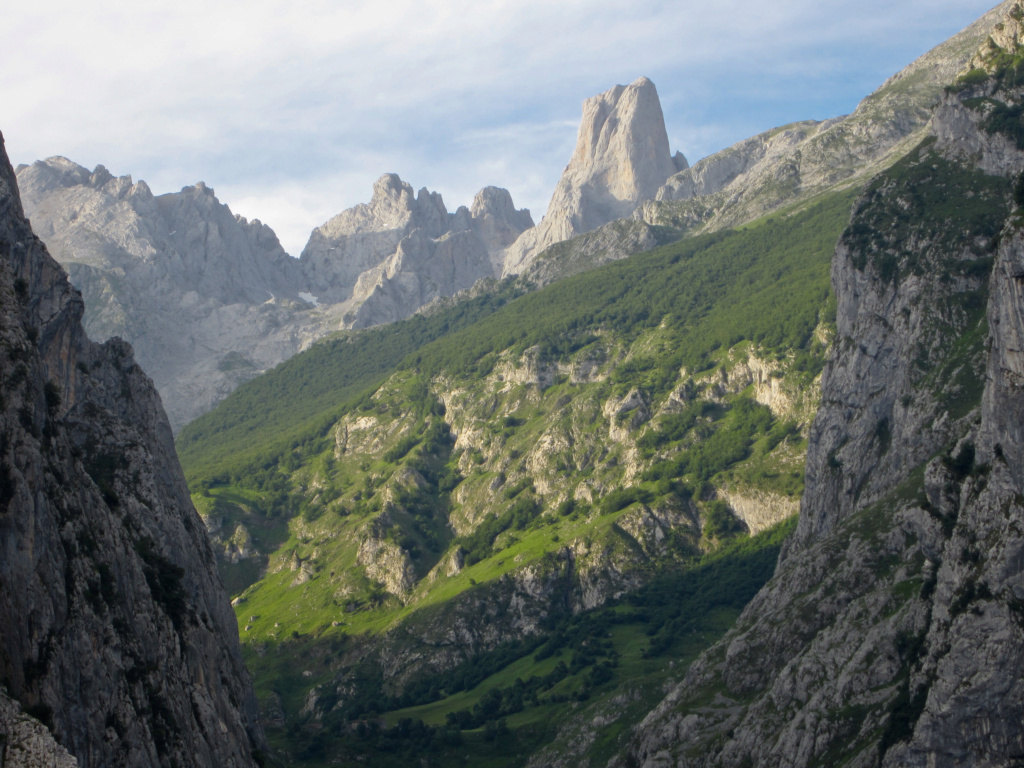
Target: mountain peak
[
  {"x": 496, "y": 221},
  {"x": 621, "y": 158},
  {"x": 353, "y": 253},
  {"x": 622, "y": 146},
  {"x": 390, "y": 185}
]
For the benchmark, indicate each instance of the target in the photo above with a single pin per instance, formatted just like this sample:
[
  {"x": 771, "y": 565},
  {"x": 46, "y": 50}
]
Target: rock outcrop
[
  {"x": 362, "y": 237},
  {"x": 781, "y": 167},
  {"x": 355, "y": 255},
  {"x": 207, "y": 298},
  {"x": 27, "y": 743},
  {"x": 420, "y": 270},
  {"x": 118, "y": 635},
  {"x": 618, "y": 240},
  {"x": 210, "y": 299},
  {"x": 621, "y": 159},
  {"x": 892, "y": 633},
  {"x": 495, "y": 220},
  {"x": 188, "y": 236}
]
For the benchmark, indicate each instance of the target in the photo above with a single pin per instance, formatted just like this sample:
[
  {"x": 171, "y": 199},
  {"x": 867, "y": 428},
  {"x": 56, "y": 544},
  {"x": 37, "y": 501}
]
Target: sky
[{"x": 291, "y": 109}]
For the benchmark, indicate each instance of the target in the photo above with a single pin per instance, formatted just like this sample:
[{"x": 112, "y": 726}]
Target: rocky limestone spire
[
  {"x": 622, "y": 158},
  {"x": 801, "y": 160}
]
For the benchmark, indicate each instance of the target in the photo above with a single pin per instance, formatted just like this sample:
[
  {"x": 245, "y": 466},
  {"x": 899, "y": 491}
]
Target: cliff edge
[{"x": 118, "y": 635}]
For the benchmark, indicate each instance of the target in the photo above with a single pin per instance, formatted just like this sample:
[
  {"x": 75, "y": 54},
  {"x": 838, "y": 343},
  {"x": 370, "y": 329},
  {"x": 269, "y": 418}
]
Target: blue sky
[{"x": 291, "y": 109}]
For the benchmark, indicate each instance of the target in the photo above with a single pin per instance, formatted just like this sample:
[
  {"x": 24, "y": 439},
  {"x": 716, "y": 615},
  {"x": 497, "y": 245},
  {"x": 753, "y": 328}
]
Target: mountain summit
[
  {"x": 208, "y": 299},
  {"x": 346, "y": 253},
  {"x": 622, "y": 158}
]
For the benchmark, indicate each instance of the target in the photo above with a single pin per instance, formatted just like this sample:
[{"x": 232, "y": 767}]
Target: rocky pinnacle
[{"x": 622, "y": 158}]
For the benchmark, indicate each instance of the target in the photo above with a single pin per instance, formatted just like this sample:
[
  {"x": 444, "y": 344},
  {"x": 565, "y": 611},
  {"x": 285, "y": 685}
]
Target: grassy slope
[
  {"x": 264, "y": 416},
  {"x": 766, "y": 284},
  {"x": 610, "y": 662}
]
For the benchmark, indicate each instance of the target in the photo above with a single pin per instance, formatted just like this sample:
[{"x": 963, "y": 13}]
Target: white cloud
[{"x": 292, "y": 109}]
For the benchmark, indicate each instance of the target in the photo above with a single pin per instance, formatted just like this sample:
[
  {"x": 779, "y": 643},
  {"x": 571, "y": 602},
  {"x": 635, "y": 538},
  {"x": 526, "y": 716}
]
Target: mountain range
[
  {"x": 716, "y": 465},
  {"x": 209, "y": 300}
]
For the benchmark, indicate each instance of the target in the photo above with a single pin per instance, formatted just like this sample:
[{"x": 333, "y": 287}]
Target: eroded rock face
[
  {"x": 495, "y": 220},
  {"x": 759, "y": 510},
  {"x": 117, "y": 629},
  {"x": 622, "y": 158},
  {"x": 362, "y": 237},
  {"x": 892, "y": 633},
  {"x": 803, "y": 159},
  {"x": 27, "y": 742},
  {"x": 420, "y": 270},
  {"x": 207, "y": 298},
  {"x": 359, "y": 249},
  {"x": 753, "y": 177}
]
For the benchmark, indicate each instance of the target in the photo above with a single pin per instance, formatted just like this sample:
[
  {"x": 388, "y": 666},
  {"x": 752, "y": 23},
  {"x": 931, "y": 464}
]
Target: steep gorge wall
[
  {"x": 892, "y": 633},
  {"x": 117, "y": 632}
]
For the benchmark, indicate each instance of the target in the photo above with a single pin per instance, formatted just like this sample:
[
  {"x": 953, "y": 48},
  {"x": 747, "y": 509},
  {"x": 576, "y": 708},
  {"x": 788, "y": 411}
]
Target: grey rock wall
[
  {"x": 117, "y": 632},
  {"x": 345, "y": 256},
  {"x": 207, "y": 299},
  {"x": 893, "y": 633}
]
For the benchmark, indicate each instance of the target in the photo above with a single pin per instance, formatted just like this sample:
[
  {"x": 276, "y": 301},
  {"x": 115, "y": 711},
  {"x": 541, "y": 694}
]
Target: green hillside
[
  {"x": 713, "y": 290},
  {"x": 453, "y": 533}
]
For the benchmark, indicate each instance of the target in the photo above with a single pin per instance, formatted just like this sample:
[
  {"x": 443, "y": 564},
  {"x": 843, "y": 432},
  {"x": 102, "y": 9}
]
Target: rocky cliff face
[
  {"x": 362, "y": 237},
  {"x": 421, "y": 270},
  {"x": 117, "y": 632},
  {"x": 618, "y": 240},
  {"x": 497, "y": 223},
  {"x": 356, "y": 257},
  {"x": 892, "y": 632},
  {"x": 784, "y": 166},
  {"x": 187, "y": 236},
  {"x": 210, "y": 301},
  {"x": 207, "y": 298},
  {"x": 622, "y": 157},
  {"x": 458, "y": 512},
  {"x": 27, "y": 743}
]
